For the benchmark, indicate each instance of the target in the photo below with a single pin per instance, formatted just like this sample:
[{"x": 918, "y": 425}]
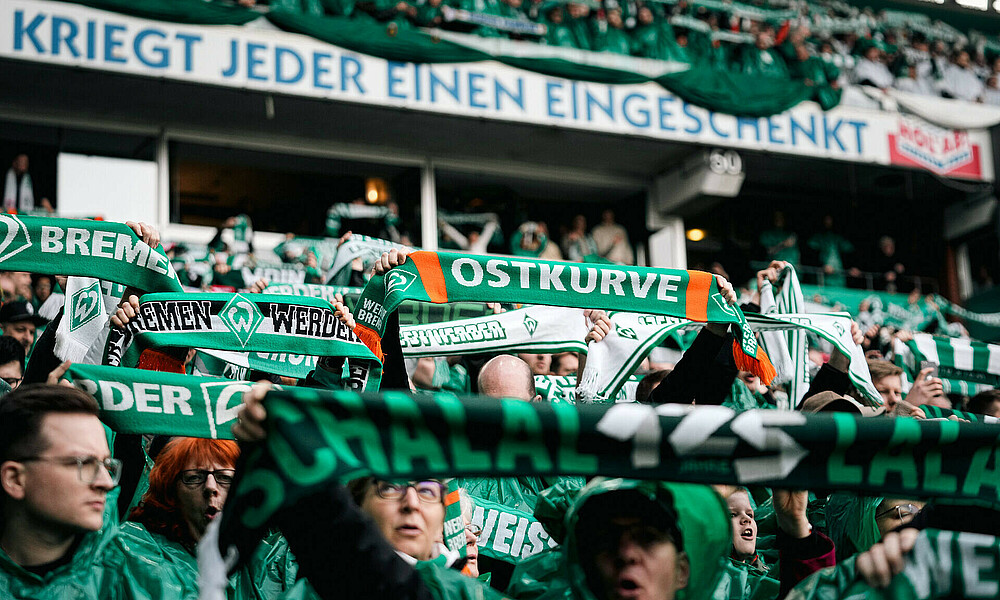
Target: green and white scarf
[
  {"x": 556, "y": 388},
  {"x": 509, "y": 534},
  {"x": 941, "y": 565},
  {"x": 409, "y": 313},
  {"x": 991, "y": 319},
  {"x": 244, "y": 322},
  {"x": 237, "y": 365},
  {"x": 82, "y": 334},
  {"x": 324, "y": 248},
  {"x": 789, "y": 301},
  {"x": 965, "y": 366},
  {"x": 137, "y": 401},
  {"x": 445, "y": 277},
  {"x": 353, "y": 374},
  {"x": 834, "y": 328},
  {"x": 83, "y": 248},
  {"x": 317, "y": 437},
  {"x": 315, "y": 290},
  {"x": 368, "y": 249},
  {"x": 338, "y": 212},
  {"x": 536, "y": 329},
  {"x": 611, "y": 361},
  {"x": 936, "y": 412}
]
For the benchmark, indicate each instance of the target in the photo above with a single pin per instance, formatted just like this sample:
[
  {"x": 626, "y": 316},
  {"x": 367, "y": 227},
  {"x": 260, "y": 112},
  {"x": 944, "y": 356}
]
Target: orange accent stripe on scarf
[
  {"x": 451, "y": 498},
  {"x": 429, "y": 266},
  {"x": 371, "y": 339},
  {"x": 698, "y": 288}
]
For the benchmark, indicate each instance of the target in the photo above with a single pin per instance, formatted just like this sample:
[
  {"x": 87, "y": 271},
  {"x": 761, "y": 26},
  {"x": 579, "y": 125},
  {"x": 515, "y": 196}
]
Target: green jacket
[
  {"x": 613, "y": 40},
  {"x": 269, "y": 574},
  {"x": 743, "y": 581},
  {"x": 105, "y": 566},
  {"x": 704, "y": 523}
]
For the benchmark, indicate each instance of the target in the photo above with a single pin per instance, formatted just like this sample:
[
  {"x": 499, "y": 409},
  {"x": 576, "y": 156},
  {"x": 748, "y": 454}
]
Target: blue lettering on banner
[
  {"x": 858, "y": 126},
  {"x": 476, "y": 89},
  {"x": 742, "y": 122},
  {"x": 254, "y": 60},
  {"x": 573, "y": 104},
  {"x": 551, "y": 100},
  {"x": 500, "y": 90},
  {"x": 161, "y": 51},
  {"x": 832, "y": 133},
  {"x": 665, "y": 113},
  {"x": 608, "y": 108},
  {"x": 808, "y": 133},
  {"x": 280, "y": 52},
  {"x": 393, "y": 79},
  {"x": 233, "y": 60},
  {"x": 711, "y": 123},
  {"x": 20, "y": 31},
  {"x": 642, "y": 112},
  {"x": 773, "y": 128},
  {"x": 503, "y": 93},
  {"x": 353, "y": 74},
  {"x": 189, "y": 40},
  {"x": 696, "y": 127},
  {"x": 436, "y": 82},
  {"x": 91, "y": 40},
  {"x": 58, "y": 38},
  {"x": 111, "y": 44},
  {"x": 416, "y": 81},
  {"x": 320, "y": 70}
]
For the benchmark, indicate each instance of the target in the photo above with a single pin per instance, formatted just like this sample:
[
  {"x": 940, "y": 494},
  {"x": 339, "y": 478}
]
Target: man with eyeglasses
[
  {"x": 11, "y": 361},
  {"x": 56, "y": 472}
]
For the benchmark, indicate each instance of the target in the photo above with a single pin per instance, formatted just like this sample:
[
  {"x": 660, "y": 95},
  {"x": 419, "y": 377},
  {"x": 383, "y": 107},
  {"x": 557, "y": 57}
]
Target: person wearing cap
[
  {"x": 628, "y": 538},
  {"x": 19, "y": 321}
]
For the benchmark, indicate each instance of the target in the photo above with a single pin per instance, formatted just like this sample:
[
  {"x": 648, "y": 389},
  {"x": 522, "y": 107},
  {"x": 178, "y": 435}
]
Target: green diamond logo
[
  {"x": 242, "y": 317},
  {"x": 530, "y": 324},
  {"x": 13, "y": 236},
  {"x": 398, "y": 281},
  {"x": 84, "y": 306},
  {"x": 626, "y": 332}
]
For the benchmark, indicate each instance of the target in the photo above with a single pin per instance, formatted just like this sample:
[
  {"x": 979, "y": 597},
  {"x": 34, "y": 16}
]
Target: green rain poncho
[
  {"x": 703, "y": 521},
  {"x": 851, "y": 523},
  {"x": 105, "y": 566},
  {"x": 743, "y": 581},
  {"x": 610, "y": 39}
]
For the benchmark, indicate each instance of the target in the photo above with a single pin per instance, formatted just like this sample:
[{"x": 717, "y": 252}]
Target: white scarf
[
  {"x": 83, "y": 330},
  {"x": 10, "y": 190}
]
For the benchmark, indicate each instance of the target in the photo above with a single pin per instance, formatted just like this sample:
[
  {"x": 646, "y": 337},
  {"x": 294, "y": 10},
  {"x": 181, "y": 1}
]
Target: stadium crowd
[
  {"x": 826, "y": 44},
  {"x": 88, "y": 513}
]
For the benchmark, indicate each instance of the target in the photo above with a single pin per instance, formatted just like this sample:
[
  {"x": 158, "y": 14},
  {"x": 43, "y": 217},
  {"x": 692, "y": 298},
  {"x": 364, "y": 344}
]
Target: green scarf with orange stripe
[{"x": 440, "y": 277}]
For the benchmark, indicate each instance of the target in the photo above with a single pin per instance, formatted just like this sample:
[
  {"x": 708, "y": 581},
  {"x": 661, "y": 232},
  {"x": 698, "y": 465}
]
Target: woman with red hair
[{"x": 187, "y": 488}]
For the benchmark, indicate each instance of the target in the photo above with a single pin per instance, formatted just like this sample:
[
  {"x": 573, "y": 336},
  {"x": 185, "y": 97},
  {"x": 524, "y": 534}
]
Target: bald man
[{"x": 507, "y": 376}]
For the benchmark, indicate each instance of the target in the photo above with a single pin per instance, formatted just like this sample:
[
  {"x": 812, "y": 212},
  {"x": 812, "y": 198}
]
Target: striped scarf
[
  {"x": 964, "y": 366},
  {"x": 440, "y": 277}
]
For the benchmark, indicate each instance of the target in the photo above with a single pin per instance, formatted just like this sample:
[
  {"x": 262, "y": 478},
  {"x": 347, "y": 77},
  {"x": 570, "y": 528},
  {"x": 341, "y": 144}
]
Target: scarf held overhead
[
  {"x": 316, "y": 437},
  {"x": 84, "y": 248},
  {"x": 243, "y": 323},
  {"x": 441, "y": 277},
  {"x": 137, "y": 401}
]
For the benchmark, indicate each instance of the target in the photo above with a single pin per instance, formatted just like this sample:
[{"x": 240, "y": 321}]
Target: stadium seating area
[{"x": 825, "y": 44}]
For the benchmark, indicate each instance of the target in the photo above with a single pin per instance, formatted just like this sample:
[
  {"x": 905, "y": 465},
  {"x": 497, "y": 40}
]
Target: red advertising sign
[{"x": 946, "y": 152}]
